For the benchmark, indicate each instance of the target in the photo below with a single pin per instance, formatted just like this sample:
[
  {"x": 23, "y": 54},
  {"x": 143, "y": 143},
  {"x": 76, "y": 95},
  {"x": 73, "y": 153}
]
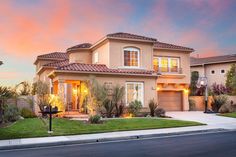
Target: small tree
[
  {"x": 231, "y": 79},
  {"x": 25, "y": 88},
  {"x": 194, "y": 79}
]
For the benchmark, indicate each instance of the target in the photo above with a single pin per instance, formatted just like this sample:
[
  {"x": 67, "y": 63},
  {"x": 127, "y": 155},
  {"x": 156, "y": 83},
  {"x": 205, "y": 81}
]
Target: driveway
[{"x": 209, "y": 119}]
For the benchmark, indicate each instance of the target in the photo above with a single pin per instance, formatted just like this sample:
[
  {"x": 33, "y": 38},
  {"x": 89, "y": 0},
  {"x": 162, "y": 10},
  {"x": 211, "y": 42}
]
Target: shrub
[
  {"x": 96, "y": 119},
  {"x": 11, "y": 113},
  {"x": 134, "y": 107},
  {"x": 152, "y": 106},
  {"x": 109, "y": 106},
  {"x": 218, "y": 101},
  {"x": 160, "y": 112},
  {"x": 218, "y": 89},
  {"x": 228, "y": 107},
  {"x": 192, "y": 105},
  {"x": 27, "y": 113}
]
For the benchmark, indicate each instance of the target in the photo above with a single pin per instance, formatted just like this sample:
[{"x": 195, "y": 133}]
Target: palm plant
[
  {"x": 152, "y": 106},
  {"x": 5, "y": 93},
  {"x": 117, "y": 97}
]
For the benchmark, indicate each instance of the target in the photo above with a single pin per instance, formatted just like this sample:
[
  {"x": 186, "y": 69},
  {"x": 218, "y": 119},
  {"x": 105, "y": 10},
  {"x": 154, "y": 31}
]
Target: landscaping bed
[
  {"x": 35, "y": 127},
  {"x": 232, "y": 115}
]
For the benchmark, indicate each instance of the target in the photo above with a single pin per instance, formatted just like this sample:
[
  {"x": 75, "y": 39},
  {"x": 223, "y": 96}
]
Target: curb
[{"x": 116, "y": 139}]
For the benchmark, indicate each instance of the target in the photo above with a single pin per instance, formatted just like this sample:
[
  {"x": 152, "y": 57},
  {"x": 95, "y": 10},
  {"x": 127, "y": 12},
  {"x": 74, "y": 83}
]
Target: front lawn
[
  {"x": 232, "y": 115},
  {"x": 35, "y": 127}
]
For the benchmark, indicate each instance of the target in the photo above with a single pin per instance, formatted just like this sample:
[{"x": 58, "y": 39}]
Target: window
[
  {"x": 134, "y": 91},
  {"x": 96, "y": 57},
  {"x": 131, "y": 57},
  {"x": 222, "y": 71},
  {"x": 213, "y": 72},
  {"x": 166, "y": 64}
]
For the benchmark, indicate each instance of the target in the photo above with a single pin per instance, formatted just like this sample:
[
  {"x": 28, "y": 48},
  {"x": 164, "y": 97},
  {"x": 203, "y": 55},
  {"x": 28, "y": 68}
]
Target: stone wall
[{"x": 22, "y": 102}]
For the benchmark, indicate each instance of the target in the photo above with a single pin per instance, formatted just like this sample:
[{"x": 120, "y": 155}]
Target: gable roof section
[
  {"x": 53, "y": 55},
  {"x": 122, "y": 35},
  {"x": 103, "y": 69},
  {"x": 161, "y": 45},
  {"x": 57, "y": 63},
  {"x": 80, "y": 46},
  {"x": 213, "y": 60}
]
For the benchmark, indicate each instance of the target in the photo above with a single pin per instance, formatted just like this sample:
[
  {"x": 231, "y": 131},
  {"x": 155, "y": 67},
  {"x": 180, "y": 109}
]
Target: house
[
  {"x": 214, "y": 68},
  {"x": 146, "y": 67}
]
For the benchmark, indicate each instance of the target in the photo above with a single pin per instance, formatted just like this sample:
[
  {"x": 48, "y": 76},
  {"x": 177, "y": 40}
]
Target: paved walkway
[
  {"x": 210, "y": 119},
  {"x": 213, "y": 122}
]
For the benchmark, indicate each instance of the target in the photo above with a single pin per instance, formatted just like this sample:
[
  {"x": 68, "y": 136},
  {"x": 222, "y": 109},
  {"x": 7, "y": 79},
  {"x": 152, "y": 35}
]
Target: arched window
[{"x": 131, "y": 57}]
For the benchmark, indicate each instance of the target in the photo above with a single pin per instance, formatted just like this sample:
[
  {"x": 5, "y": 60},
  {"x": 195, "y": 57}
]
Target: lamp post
[{"x": 202, "y": 82}]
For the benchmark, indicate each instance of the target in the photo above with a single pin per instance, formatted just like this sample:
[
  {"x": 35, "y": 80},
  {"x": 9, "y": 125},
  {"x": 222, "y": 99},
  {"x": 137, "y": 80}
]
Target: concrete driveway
[{"x": 209, "y": 119}]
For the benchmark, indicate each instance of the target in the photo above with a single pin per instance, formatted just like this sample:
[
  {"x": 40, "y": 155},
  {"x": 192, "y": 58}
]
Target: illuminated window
[
  {"x": 134, "y": 91},
  {"x": 166, "y": 64},
  {"x": 174, "y": 63},
  {"x": 131, "y": 57},
  {"x": 156, "y": 64}
]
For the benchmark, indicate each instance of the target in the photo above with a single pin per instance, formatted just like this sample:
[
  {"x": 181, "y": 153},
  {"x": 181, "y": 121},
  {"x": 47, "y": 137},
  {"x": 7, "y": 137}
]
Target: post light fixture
[{"x": 202, "y": 82}]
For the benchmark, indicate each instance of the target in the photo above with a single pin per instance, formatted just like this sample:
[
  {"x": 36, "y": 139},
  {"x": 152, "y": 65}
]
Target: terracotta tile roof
[
  {"x": 130, "y": 36},
  {"x": 213, "y": 60},
  {"x": 54, "y": 55},
  {"x": 162, "y": 45},
  {"x": 101, "y": 68},
  {"x": 80, "y": 46},
  {"x": 57, "y": 63}
]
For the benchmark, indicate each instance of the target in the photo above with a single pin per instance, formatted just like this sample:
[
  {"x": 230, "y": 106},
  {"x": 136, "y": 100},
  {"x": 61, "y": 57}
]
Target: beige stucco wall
[
  {"x": 149, "y": 82},
  {"x": 80, "y": 56},
  {"x": 199, "y": 69},
  {"x": 213, "y": 78},
  {"x": 44, "y": 76},
  {"x": 117, "y": 55},
  {"x": 103, "y": 53}
]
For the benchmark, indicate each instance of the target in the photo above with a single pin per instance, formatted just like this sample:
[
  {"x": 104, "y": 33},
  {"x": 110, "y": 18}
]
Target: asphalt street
[{"x": 201, "y": 145}]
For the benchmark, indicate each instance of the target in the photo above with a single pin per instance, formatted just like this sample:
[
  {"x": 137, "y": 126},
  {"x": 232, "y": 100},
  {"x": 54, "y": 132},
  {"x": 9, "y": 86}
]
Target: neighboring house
[
  {"x": 214, "y": 68},
  {"x": 146, "y": 68}
]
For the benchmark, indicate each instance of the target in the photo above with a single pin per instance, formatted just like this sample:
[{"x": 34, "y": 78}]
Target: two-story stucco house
[
  {"x": 214, "y": 68},
  {"x": 146, "y": 68}
]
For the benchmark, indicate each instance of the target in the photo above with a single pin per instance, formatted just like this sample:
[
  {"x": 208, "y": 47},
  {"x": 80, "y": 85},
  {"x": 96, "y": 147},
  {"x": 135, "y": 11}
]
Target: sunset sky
[{"x": 32, "y": 27}]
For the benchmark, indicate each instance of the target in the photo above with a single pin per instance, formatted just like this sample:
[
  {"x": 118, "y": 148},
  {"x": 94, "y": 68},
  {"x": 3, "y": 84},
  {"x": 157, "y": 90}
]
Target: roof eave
[
  {"x": 157, "y": 48},
  {"x": 101, "y": 73}
]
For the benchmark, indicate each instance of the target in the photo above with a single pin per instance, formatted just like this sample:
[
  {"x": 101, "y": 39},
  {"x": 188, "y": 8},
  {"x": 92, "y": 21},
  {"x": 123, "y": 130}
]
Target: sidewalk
[{"x": 98, "y": 137}]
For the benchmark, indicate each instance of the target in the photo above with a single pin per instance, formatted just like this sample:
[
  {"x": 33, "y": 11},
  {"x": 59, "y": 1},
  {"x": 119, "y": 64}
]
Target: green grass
[
  {"x": 232, "y": 115},
  {"x": 35, "y": 127}
]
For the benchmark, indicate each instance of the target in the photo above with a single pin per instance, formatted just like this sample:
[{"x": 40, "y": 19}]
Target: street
[{"x": 202, "y": 145}]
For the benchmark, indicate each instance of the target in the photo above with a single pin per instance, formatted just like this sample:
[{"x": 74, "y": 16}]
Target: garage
[{"x": 170, "y": 100}]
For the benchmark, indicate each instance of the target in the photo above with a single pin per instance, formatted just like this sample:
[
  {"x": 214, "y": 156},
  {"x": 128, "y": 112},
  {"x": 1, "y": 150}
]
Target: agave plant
[{"x": 117, "y": 97}]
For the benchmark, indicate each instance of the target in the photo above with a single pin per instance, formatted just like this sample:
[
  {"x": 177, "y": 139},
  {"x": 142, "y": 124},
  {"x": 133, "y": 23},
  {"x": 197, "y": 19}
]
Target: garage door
[{"x": 170, "y": 100}]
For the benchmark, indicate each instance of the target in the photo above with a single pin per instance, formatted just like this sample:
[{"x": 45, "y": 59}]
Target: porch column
[{"x": 62, "y": 90}]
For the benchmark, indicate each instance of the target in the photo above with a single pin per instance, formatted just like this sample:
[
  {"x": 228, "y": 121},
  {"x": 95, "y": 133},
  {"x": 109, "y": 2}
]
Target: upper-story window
[
  {"x": 96, "y": 57},
  {"x": 131, "y": 57},
  {"x": 166, "y": 64}
]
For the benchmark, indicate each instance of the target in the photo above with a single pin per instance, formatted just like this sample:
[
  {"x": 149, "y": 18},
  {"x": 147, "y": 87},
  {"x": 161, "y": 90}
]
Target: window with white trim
[
  {"x": 131, "y": 57},
  {"x": 95, "y": 57},
  {"x": 134, "y": 91},
  {"x": 166, "y": 64}
]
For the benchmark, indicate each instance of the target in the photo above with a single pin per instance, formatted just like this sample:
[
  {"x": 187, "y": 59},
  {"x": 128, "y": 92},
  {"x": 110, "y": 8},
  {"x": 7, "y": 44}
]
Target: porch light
[
  {"x": 74, "y": 91},
  {"x": 158, "y": 88},
  {"x": 186, "y": 91},
  {"x": 85, "y": 91}
]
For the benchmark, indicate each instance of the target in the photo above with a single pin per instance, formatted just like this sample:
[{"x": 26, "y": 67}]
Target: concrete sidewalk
[{"x": 90, "y": 138}]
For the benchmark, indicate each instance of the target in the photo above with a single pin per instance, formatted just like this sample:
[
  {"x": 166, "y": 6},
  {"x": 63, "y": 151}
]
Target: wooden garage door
[{"x": 170, "y": 100}]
